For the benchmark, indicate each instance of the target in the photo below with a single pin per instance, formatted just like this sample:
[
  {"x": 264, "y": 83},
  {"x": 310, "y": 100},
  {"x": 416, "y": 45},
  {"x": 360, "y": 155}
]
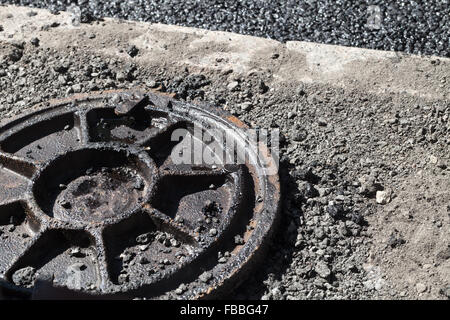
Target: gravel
[{"x": 420, "y": 27}]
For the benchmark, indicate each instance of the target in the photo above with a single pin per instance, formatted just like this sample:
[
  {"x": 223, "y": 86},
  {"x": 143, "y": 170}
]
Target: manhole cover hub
[{"x": 94, "y": 185}]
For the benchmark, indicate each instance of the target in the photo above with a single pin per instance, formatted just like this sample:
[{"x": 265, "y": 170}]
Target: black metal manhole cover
[{"x": 92, "y": 199}]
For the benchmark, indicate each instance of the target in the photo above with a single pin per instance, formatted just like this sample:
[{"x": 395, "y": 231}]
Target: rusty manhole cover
[{"x": 92, "y": 200}]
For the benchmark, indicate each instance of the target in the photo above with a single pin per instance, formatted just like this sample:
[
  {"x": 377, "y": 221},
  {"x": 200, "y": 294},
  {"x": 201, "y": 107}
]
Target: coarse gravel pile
[{"x": 419, "y": 27}]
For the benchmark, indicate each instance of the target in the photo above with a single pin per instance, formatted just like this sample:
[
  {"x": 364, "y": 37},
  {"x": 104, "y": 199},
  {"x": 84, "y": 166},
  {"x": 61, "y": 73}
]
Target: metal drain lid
[{"x": 93, "y": 201}]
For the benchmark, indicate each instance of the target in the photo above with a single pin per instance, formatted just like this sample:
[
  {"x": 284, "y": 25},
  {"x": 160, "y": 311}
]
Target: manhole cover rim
[{"x": 261, "y": 232}]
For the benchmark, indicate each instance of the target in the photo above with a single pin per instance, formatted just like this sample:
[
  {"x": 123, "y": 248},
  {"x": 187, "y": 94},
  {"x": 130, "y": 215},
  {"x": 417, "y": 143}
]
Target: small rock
[
  {"x": 441, "y": 165},
  {"x": 263, "y": 88},
  {"x": 299, "y": 136},
  {"x": 16, "y": 54},
  {"x": 143, "y": 238},
  {"x": 379, "y": 284},
  {"x": 76, "y": 252},
  {"x": 383, "y": 197},
  {"x": 132, "y": 51},
  {"x": 62, "y": 80},
  {"x": 151, "y": 83},
  {"x": 213, "y": 232},
  {"x": 444, "y": 254},
  {"x": 369, "y": 284},
  {"x": 143, "y": 247},
  {"x": 139, "y": 184},
  {"x": 77, "y": 88},
  {"x": 322, "y": 270},
  {"x": 143, "y": 260},
  {"x": 122, "y": 76},
  {"x": 24, "y": 277},
  {"x": 319, "y": 233},
  {"x": 126, "y": 256},
  {"x": 179, "y": 219},
  {"x": 336, "y": 211},
  {"x": 306, "y": 175},
  {"x": 181, "y": 289},
  {"x": 116, "y": 99},
  {"x": 222, "y": 260},
  {"x": 421, "y": 132},
  {"x": 322, "y": 122},
  {"x": 174, "y": 243},
  {"x": 276, "y": 293},
  {"x": 395, "y": 239},
  {"x": 368, "y": 186},
  {"x": 433, "y": 159},
  {"x": 309, "y": 191},
  {"x": 246, "y": 106},
  {"x": 357, "y": 218},
  {"x": 342, "y": 229},
  {"x": 232, "y": 86},
  {"x": 421, "y": 288},
  {"x": 35, "y": 42},
  {"x": 123, "y": 278},
  {"x": 167, "y": 243},
  {"x": 445, "y": 291},
  {"x": 205, "y": 277},
  {"x": 61, "y": 68},
  {"x": 392, "y": 121},
  {"x": 291, "y": 115},
  {"x": 238, "y": 240},
  {"x": 66, "y": 204}
]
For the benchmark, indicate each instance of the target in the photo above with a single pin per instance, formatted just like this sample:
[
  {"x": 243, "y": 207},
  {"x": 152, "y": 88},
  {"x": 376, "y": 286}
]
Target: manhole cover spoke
[
  {"x": 105, "y": 194},
  {"x": 162, "y": 134},
  {"x": 19, "y": 165},
  {"x": 104, "y": 279},
  {"x": 82, "y": 127},
  {"x": 166, "y": 224}
]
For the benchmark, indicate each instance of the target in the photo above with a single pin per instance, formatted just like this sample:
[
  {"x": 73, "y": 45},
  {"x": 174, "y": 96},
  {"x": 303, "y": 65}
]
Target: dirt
[
  {"x": 419, "y": 266},
  {"x": 350, "y": 128}
]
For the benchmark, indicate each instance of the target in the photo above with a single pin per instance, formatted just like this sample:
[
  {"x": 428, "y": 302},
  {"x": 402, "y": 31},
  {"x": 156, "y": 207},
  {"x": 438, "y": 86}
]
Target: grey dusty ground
[{"x": 365, "y": 148}]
